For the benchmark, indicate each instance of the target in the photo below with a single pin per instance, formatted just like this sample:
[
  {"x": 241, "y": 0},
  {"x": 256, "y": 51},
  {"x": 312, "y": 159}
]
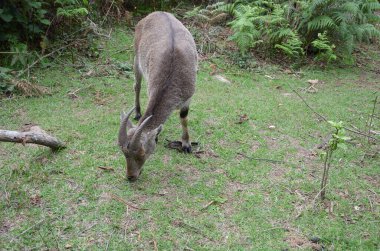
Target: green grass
[{"x": 63, "y": 200}]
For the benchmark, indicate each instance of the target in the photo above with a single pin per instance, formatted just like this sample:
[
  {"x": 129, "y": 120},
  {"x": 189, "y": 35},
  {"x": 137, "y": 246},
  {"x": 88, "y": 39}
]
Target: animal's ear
[
  {"x": 158, "y": 130},
  {"x": 153, "y": 135}
]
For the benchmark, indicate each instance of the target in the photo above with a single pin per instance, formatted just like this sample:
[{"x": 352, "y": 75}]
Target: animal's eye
[{"x": 156, "y": 139}]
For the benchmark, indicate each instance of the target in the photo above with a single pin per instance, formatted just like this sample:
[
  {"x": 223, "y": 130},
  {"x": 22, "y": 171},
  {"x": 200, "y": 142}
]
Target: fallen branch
[
  {"x": 44, "y": 56},
  {"x": 35, "y": 135},
  {"x": 261, "y": 159},
  {"x": 325, "y": 119}
]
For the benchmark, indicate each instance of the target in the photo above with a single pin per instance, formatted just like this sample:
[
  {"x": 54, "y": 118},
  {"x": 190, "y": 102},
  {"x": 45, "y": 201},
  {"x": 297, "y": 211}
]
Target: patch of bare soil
[
  {"x": 295, "y": 240},
  {"x": 7, "y": 225},
  {"x": 190, "y": 173},
  {"x": 373, "y": 180},
  {"x": 277, "y": 172},
  {"x": 302, "y": 154}
]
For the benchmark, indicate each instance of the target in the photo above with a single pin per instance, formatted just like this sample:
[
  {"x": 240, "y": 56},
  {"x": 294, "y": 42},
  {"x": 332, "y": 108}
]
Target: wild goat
[{"x": 165, "y": 54}]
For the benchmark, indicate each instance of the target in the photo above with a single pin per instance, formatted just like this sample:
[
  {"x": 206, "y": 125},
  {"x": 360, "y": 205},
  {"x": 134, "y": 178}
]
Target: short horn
[
  {"x": 135, "y": 142},
  {"x": 123, "y": 128}
]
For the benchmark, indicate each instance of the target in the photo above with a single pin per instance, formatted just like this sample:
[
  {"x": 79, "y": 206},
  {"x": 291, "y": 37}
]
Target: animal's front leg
[{"x": 137, "y": 87}]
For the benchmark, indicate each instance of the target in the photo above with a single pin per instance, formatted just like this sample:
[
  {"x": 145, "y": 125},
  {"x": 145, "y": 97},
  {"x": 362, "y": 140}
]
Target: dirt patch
[
  {"x": 233, "y": 193},
  {"x": 367, "y": 82},
  {"x": 277, "y": 173},
  {"x": 8, "y": 224},
  {"x": 189, "y": 172},
  {"x": 21, "y": 114},
  {"x": 296, "y": 240},
  {"x": 255, "y": 145},
  {"x": 373, "y": 180},
  {"x": 302, "y": 154}
]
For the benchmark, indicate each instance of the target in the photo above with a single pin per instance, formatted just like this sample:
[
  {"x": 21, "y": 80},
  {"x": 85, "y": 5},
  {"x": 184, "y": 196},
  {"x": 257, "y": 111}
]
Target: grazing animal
[{"x": 166, "y": 56}]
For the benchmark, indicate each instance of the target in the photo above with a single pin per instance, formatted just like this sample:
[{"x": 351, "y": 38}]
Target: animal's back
[
  {"x": 165, "y": 48},
  {"x": 167, "y": 57}
]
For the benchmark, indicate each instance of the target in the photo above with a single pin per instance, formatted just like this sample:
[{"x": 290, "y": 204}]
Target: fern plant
[
  {"x": 347, "y": 22},
  {"x": 291, "y": 46},
  {"x": 325, "y": 48},
  {"x": 246, "y": 33},
  {"x": 266, "y": 23}
]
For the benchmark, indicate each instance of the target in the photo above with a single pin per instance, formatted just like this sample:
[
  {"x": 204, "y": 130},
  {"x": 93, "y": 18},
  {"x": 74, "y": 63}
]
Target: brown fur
[{"x": 166, "y": 57}]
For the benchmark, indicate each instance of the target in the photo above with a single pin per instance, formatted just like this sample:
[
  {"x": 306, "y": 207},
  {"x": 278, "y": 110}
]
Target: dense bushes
[{"x": 324, "y": 29}]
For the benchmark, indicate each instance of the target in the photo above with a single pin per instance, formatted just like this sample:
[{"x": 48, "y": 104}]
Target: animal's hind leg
[
  {"x": 137, "y": 86},
  {"x": 186, "y": 145}
]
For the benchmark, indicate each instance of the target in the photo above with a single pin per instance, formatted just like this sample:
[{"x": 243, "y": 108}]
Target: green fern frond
[
  {"x": 370, "y": 6},
  {"x": 320, "y": 23},
  {"x": 280, "y": 35},
  {"x": 325, "y": 48},
  {"x": 350, "y": 7},
  {"x": 193, "y": 12}
]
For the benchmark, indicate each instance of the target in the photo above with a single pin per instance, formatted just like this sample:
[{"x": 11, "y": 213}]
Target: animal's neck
[{"x": 158, "y": 118}]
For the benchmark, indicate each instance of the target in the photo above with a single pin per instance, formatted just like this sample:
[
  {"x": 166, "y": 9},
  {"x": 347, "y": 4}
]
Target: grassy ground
[{"x": 217, "y": 200}]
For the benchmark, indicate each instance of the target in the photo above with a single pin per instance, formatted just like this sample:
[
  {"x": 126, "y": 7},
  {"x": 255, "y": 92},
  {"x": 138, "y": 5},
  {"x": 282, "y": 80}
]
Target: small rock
[
  {"x": 222, "y": 79},
  {"x": 313, "y": 81},
  {"x": 272, "y": 127}
]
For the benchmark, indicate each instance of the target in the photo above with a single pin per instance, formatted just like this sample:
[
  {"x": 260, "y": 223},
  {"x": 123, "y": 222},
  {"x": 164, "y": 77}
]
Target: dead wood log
[{"x": 33, "y": 135}]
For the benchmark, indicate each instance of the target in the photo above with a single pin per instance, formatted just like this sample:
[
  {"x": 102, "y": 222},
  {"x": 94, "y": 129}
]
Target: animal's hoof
[
  {"x": 138, "y": 116},
  {"x": 186, "y": 149}
]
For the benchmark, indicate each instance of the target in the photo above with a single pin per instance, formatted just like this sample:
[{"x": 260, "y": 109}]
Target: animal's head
[{"x": 136, "y": 143}]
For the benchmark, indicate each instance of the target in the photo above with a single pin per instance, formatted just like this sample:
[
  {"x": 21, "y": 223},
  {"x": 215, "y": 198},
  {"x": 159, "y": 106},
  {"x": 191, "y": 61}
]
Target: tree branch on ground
[{"x": 34, "y": 135}]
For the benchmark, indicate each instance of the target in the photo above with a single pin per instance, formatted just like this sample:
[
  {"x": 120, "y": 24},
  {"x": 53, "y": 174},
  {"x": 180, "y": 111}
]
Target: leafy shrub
[
  {"x": 304, "y": 27},
  {"x": 325, "y": 49},
  {"x": 346, "y": 22},
  {"x": 246, "y": 33},
  {"x": 22, "y": 20}
]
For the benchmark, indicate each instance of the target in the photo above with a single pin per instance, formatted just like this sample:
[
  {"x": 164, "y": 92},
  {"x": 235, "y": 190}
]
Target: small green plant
[
  {"x": 337, "y": 141},
  {"x": 71, "y": 9},
  {"x": 291, "y": 46},
  {"x": 325, "y": 48}
]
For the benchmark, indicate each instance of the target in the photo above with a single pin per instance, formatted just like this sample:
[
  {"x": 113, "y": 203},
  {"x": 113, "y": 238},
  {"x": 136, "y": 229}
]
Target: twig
[
  {"x": 73, "y": 94},
  {"x": 320, "y": 191},
  {"x": 325, "y": 119},
  {"x": 93, "y": 26},
  {"x": 371, "y": 118},
  {"x": 115, "y": 197},
  {"x": 370, "y": 203},
  {"x": 261, "y": 159},
  {"x": 28, "y": 229},
  {"x": 109, "y": 240},
  {"x": 40, "y": 58},
  {"x": 208, "y": 204},
  {"x": 273, "y": 228},
  {"x": 155, "y": 245},
  {"x": 108, "y": 11},
  {"x": 106, "y": 168},
  {"x": 12, "y": 52}
]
